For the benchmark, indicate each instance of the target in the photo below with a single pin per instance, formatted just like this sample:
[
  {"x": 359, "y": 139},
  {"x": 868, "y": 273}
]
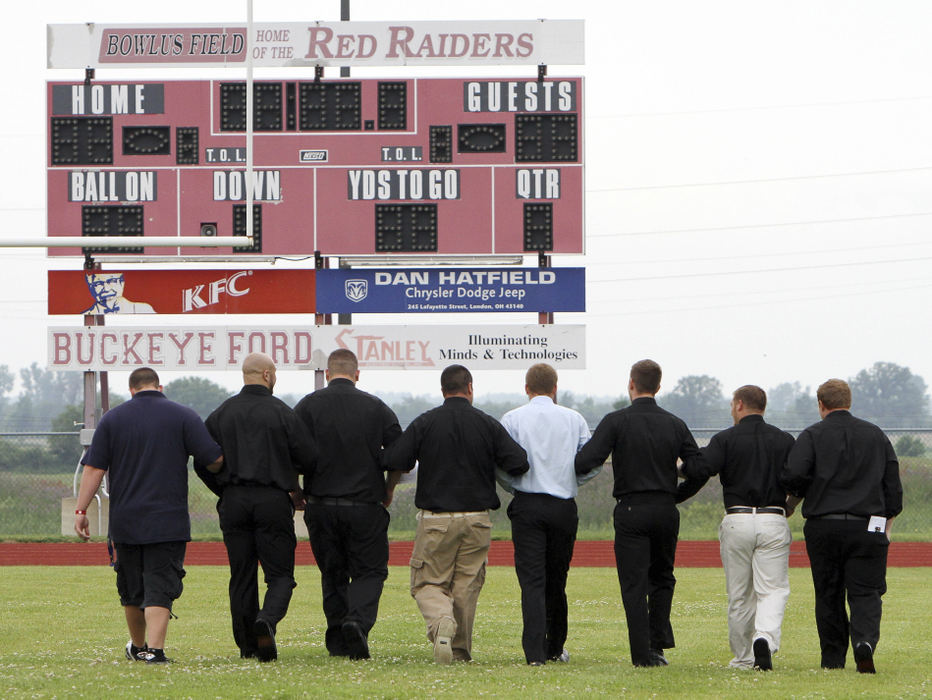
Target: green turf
[{"x": 62, "y": 635}]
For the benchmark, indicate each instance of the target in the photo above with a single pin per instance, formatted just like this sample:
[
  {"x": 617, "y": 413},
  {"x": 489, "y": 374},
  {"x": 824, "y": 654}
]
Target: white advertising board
[
  {"x": 287, "y": 44},
  {"x": 206, "y": 348}
]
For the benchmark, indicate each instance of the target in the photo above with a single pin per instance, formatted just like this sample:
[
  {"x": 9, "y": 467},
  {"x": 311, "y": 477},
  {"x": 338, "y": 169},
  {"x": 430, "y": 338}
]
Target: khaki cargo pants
[{"x": 448, "y": 570}]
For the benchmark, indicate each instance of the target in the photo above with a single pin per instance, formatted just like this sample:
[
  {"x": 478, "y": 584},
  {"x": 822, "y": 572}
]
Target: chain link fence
[{"x": 38, "y": 470}]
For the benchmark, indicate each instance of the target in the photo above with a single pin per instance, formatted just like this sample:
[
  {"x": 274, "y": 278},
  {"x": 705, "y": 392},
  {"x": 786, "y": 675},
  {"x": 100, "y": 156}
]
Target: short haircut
[
  {"x": 342, "y": 361},
  {"x": 835, "y": 393},
  {"x": 144, "y": 376},
  {"x": 753, "y": 397},
  {"x": 541, "y": 379},
  {"x": 646, "y": 376},
  {"x": 455, "y": 379}
]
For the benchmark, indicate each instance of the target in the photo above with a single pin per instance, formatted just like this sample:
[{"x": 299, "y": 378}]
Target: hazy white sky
[{"x": 758, "y": 183}]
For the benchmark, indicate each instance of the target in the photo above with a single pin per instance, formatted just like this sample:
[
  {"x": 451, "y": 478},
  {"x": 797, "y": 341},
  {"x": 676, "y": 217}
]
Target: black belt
[
  {"x": 337, "y": 502},
  {"x": 777, "y": 510},
  {"x": 839, "y": 516}
]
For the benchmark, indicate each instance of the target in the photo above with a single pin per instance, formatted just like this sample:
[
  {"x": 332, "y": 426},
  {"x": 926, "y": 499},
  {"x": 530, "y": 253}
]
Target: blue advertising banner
[{"x": 423, "y": 290}]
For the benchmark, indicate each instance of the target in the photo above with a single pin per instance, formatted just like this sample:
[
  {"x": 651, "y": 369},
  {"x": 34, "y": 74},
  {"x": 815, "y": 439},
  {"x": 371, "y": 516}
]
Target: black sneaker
[
  {"x": 155, "y": 656},
  {"x": 134, "y": 653},
  {"x": 265, "y": 640},
  {"x": 762, "y": 658},
  {"x": 864, "y": 657},
  {"x": 355, "y": 640}
]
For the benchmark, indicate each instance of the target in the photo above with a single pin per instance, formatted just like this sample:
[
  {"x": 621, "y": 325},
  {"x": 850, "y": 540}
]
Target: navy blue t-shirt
[{"x": 144, "y": 444}]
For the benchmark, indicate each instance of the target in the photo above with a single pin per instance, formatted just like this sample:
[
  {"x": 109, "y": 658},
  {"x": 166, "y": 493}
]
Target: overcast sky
[{"x": 758, "y": 183}]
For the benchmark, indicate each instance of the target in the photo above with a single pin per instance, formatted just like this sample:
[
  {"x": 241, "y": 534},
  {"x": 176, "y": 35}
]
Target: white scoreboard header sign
[
  {"x": 287, "y": 44},
  {"x": 203, "y": 348}
]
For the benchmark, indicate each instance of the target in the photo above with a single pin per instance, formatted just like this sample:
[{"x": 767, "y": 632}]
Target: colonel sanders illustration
[{"x": 107, "y": 290}]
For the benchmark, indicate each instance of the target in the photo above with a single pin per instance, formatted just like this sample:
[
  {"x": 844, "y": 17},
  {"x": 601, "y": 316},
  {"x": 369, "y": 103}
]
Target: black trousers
[
  {"x": 846, "y": 559},
  {"x": 350, "y": 544},
  {"x": 645, "y": 548},
  {"x": 258, "y": 528},
  {"x": 543, "y": 529}
]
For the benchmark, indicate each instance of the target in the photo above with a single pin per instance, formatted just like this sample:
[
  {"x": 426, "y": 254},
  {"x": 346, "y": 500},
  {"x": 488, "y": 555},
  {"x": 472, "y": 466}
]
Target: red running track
[{"x": 588, "y": 553}]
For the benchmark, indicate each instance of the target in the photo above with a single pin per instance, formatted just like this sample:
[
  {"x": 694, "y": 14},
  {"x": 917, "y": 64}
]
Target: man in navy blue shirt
[{"x": 144, "y": 445}]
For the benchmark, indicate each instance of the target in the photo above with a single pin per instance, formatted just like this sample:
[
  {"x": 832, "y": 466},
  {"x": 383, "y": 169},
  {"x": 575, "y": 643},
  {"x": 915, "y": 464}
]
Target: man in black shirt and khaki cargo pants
[{"x": 848, "y": 474}]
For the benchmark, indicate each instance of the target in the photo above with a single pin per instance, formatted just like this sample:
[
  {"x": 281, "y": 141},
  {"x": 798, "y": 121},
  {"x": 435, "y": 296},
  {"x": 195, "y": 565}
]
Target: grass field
[{"x": 62, "y": 635}]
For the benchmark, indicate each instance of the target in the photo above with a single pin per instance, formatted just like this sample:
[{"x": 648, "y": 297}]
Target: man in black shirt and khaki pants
[
  {"x": 457, "y": 448},
  {"x": 645, "y": 442},
  {"x": 847, "y": 472},
  {"x": 754, "y": 535}
]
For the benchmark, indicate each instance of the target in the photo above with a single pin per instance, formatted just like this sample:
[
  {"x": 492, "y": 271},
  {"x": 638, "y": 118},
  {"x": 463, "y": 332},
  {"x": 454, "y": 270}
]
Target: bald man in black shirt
[
  {"x": 846, "y": 471},
  {"x": 645, "y": 442},
  {"x": 265, "y": 447}
]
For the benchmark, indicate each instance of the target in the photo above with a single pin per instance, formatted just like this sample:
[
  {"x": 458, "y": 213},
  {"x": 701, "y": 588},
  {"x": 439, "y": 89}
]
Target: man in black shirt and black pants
[
  {"x": 458, "y": 448},
  {"x": 754, "y": 536},
  {"x": 645, "y": 442},
  {"x": 264, "y": 448},
  {"x": 848, "y": 474},
  {"x": 347, "y": 496}
]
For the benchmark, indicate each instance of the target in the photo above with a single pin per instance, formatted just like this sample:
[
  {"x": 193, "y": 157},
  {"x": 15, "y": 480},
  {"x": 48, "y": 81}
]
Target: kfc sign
[{"x": 181, "y": 291}]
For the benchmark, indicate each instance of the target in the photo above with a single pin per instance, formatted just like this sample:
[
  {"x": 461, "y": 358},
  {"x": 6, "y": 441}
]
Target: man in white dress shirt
[{"x": 543, "y": 511}]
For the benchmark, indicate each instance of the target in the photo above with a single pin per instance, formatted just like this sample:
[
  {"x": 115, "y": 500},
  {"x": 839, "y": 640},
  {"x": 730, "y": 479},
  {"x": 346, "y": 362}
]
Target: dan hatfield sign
[
  {"x": 192, "y": 348},
  {"x": 124, "y": 292},
  {"x": 456, "y": 290}
]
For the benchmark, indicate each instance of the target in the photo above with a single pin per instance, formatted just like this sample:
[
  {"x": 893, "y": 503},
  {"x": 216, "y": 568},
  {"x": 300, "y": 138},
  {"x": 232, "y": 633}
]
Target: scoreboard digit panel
[{"x": 346, "y": 167}]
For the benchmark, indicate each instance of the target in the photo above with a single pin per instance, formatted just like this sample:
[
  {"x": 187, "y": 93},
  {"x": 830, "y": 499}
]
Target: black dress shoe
[
  {"x": 864, "y": 657},
  {"x": 355, "y": 640},
  {"x": 762, "y": 658},
  {"x": 657, "y": 658},
  {"x": 265, "y": 640}
]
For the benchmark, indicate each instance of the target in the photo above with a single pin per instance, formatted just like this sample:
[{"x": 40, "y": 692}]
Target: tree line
[{"x": 884, "y": 393}]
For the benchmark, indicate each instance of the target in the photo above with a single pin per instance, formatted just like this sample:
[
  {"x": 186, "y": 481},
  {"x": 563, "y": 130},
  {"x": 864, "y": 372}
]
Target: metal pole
[{"x": 249, "y": 117}]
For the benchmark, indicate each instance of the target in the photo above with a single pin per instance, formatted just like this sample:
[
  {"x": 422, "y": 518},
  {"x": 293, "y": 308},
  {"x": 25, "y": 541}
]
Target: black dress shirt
[
  {"x": 351, "y": 427},
  {"x": 644, "y": 441},
  {"x": 748, "y": 458},
  {"x": 843, "y": 464},
  {"x": 263, "y": 441},
  {"x": 457, "y": 448}
]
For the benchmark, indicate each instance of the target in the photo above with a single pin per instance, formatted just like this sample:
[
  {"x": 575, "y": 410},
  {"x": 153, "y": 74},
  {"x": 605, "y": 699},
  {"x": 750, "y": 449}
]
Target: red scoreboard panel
[{"x": 346, "y": 167}]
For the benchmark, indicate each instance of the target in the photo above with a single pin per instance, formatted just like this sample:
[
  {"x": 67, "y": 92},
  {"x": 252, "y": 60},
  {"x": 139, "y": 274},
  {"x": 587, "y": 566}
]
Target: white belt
[{"x": 452, "y": 514}]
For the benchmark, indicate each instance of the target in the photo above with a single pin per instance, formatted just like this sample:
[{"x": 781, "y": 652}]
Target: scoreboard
[{"x": 345, "y": 167}]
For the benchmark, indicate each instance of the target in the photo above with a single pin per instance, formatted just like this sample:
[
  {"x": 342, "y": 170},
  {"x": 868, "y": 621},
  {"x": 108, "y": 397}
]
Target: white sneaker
[{"x": 443, "y": 641}]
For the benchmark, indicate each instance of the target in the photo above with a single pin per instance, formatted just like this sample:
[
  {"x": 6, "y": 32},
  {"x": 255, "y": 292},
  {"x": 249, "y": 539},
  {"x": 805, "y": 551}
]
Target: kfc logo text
[{"x": 192, "y": 298}]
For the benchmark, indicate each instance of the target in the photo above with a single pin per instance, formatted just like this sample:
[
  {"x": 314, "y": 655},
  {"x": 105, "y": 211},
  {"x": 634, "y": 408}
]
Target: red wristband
[{"x": 80, "y": 512}]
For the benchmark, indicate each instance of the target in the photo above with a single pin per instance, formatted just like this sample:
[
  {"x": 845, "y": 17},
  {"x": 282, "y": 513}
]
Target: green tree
[
  {"x": 44, "y": 393},
  {"x": 890, "y": 395},
  {"x": 698, "y": 400},
  {"x": 197, "y": 393},
  {"x": 791, "y": 406}
]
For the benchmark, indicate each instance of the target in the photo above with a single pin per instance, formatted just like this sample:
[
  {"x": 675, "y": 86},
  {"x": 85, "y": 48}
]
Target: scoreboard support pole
[
  {"x": 544, "y": 317},
  {"x": 320, "y": 263}
]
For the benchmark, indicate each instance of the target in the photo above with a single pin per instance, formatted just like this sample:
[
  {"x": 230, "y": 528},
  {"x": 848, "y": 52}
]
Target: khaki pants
[
  {"x": 755, "y": 551},
  {"x": 448, "y": 570}
]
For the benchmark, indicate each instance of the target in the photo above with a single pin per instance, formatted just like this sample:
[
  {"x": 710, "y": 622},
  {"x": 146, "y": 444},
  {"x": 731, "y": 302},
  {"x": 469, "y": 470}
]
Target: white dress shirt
[{"x": 551, "y": 435}]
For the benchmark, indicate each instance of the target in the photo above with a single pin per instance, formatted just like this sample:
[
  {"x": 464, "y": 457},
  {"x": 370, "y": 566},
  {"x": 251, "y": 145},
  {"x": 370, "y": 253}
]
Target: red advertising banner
[{"x": 181, "y": 291}]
